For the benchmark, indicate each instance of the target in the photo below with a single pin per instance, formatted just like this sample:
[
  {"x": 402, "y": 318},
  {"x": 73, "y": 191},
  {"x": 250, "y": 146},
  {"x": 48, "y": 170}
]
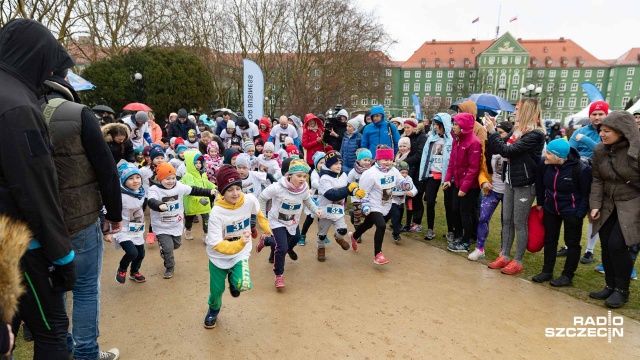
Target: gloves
[
  {"x": 62, "y": 277},
  {"x": 352, "y": 186},
  {"x": 359, "y": 193},
  {"x": 204, "y": 201}
]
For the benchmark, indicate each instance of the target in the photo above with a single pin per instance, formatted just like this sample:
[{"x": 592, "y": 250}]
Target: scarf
[
  {"x": 136, "y": 194},
  {"x": 292, "y": 189},
  {"x": 401, "y": 157},
  {"x": 383, "y": 169},
  {"x": 360, "y": 169}
]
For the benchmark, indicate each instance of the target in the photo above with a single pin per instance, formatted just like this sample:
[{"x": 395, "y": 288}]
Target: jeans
[
  {"x": 487, "y": 208},
  {"x": 572, "y": 236},
  {"x": 88, "y": 247},
  {"x": 396, "y": 218},
  {"x": 464, "y": 212}
]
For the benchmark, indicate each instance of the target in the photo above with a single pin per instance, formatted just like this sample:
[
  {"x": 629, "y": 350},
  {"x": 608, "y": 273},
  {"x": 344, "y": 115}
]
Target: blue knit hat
[
  {"x": 155, "y": 152},
  {"x": 181, "y": 148},
  {"x": 364, "y": 154},
  {"x": 332, "y": 158},
  {"x": 125, "y": 171},
  {"x": 559, "y": 148},
  {"x": 317, "y": 157},
  {"x": 138, "y": 150}
]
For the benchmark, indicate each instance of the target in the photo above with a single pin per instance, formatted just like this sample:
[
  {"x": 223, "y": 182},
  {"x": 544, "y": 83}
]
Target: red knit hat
[
  {"x": 164, "y": 170},
  {"x": 411, "y": 122},
  {"x": 179, "y": 141},
  {"x": 599, "y": 105},
  {"x": 292, "y": 150},
  {"x": 226, "y": 176}
]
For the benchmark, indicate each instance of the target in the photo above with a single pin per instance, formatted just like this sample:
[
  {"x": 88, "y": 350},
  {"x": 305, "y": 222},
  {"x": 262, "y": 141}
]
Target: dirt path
[{"x": 425, "y": 304}]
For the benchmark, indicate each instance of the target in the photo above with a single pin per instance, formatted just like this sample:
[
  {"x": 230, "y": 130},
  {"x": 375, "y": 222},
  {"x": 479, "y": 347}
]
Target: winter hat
[
  {"x": 285, "y": 164},
  {"x": 138, "y": 150},
  {"x": 402, "y": 166},
  {"x": 411, "y": 122},
  {"x": 213, "y": 145},
  {"x": 181, "y": 148},
  {"x": 155, "y": 152},
  {"x": 142, "y": 117},
  {"x": 172, "y": 141},
  {"x": 259, "y": 141},
  {"x": 164, "y": 170},
  {"x": 342, "y": 112},
  {"x": 328, "y": 148},
  {"x": 384, "y": 154},
  {"x": 398, "y": 120},
  {"x": 146, "y": 151},
  {"x": 599, "y": 105},
  {"x": 559, "y": 148},
  {"x": 230, "y": 154},
  {"x": 288, "y": 141},
  {"x": 236, "y": 140},
  {"x": 231, "y": 124},
  {"x": 317, "y": 157},
  {"x": 332, "y": 158},
  {"x": 363, "y": 153},
  {"x": 298, "y": 166},
  {"x": 243, "y": 160},
  {"x": 405, "y": 141},
  {"x": 227, "y": 176},
  {"x": 248, "y": 146},
  {"x": 268, "y": 146},
  {"x": 182, "y": 114},
  {"x": 292, "y": 150},
  {"x": 179, "y": 141},
  {"x": 125, "y": 171},
  {"x": 191, "y": 132},
  {"x": 355, "y": 123}
]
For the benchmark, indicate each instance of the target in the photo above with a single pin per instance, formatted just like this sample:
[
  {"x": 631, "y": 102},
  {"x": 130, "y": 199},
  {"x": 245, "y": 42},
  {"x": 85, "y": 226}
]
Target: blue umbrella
[
  {"x": 78, "y": 83},
  {"x": 481, "y": 109},
  {"x": 492, "y": 102}
]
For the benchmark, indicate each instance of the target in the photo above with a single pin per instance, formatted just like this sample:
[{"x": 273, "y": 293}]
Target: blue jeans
[{"x": 88, "y": 247}]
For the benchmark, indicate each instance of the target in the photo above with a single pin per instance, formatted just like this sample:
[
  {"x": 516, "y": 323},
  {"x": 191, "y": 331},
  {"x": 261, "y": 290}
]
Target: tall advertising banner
[
  {"x": 253, "y": 94},
  {"x": 416, "y": 106}
]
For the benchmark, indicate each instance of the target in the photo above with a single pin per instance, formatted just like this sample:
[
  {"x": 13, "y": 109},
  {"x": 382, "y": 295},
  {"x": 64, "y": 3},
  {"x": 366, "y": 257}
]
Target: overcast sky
[{"x": 605, "y": 28}]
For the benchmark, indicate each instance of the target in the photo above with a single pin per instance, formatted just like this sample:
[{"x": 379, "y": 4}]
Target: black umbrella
[
  {"x": 103, "y": 108},
  {"x": 582, "y": 122}
]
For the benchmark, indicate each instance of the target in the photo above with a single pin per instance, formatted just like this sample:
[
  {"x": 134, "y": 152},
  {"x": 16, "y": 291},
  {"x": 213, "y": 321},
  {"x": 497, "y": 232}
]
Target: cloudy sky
[{"x": 605, "y": 28}]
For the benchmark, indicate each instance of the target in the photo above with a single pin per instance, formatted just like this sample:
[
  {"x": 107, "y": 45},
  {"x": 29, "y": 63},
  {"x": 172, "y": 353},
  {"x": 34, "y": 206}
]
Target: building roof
[
  {"x": 631, "y": 57},
  {"x": 433, "y": 50},
  {"x": 558, "y": 51}
]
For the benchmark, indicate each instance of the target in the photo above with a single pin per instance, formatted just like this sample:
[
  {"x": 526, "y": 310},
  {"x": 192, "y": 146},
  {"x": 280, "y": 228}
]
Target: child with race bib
[
  {"x": 318, "y": 160},
  {"x": 363, "y": 163},
  {"x": 252, "y": 183}
]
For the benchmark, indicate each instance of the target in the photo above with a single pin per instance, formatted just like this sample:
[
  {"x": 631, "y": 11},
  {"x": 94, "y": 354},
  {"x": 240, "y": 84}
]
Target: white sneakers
[
  {"x": 476, "y": 255},
  {"x": 187, "y": 234}
]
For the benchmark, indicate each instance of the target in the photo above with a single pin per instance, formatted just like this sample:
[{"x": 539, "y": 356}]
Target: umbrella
[
  {"x": 582, "y": 122},
  {"x": 218, "y": 112},
  {"x": 454, "y": 106},
  {"x": 137, "y": 107},
  {"x": 78, "y": 83},
  {"x": 481, "y": 109},
  {"x": 491, "y": 102},
  {"x": 103, "y": 108}
]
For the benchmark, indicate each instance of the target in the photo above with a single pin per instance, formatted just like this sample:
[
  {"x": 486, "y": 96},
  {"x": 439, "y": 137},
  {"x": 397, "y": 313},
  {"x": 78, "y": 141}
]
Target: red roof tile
[
  {"x": 631, "y": 57},
  {"x": 445, "y": 51},
  {"x": 558, "y": 51}
]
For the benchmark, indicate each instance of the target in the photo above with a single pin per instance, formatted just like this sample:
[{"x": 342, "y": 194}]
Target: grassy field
[{"x": 584, "y": 281}]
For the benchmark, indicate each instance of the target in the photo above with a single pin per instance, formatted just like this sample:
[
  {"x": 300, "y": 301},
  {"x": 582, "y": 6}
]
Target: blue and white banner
[
  {"x": 592, "y": 92},
  {"x": 416, "y": 106},
  {"x": 253, "y": 94}
]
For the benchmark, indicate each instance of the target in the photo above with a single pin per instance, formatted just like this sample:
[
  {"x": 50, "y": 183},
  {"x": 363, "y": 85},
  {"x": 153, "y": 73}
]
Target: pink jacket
[{"x": 464, "y": 163}]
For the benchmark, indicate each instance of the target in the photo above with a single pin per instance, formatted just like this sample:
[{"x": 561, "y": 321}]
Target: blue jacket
[
  {"x": 556, "y": 190},
  {"x": 427, "y": 159},
  {"x": 378, "y": 133},
  {"x": 348, "y": 150},
  {"x": 590, "y": 138},
  {"x": 220, "y": 127}
]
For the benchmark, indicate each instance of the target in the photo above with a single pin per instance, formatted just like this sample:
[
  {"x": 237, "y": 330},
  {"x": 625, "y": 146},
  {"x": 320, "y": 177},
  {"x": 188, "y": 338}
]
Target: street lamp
[
  {"x": 532, "y": 91},
  {"x": 138, "y": 77}
]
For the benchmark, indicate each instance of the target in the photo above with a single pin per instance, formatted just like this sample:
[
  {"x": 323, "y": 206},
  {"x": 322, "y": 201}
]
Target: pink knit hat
[{"x": 384, "y": 154}]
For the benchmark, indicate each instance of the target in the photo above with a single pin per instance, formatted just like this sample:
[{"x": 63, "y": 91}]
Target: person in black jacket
[
  {"x": 181, "y": 126},
  {"x": 335, "y": 128},
  {"x": 418, "y": 138},
  {"x": 523, "y": 149},
  {"x": 28, "y": 183},
  {"x": 117, "y": 137}
]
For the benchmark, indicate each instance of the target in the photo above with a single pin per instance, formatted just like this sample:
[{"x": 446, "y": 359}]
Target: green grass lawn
[{"x": 584, "y": 281}]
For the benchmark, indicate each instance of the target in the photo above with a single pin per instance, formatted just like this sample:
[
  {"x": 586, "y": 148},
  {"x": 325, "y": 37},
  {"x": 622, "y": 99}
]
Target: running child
[
  {"x": 193, "y": 205},
  {"x": 318, "y": 160},
  {"x": 252, "y": 183},
  {"x": 400, "y": 192},
  {"x": 267, "y": 161},
  {"x": 147, "y": 173},
  {"x": 362, "y": 164}
]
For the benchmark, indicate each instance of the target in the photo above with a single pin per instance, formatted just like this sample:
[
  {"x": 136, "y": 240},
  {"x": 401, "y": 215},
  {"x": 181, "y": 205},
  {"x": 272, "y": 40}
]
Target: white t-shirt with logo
[
  {"x": 249, "y": 134},
  {"x": 497, "y": 164},
  {"x": 137, "y": 133},
  {"x": 169, "y": 222},
  {"x": 286, "y": 207},
  {"x": 279, "y": 134},
  {"x": 379, "y": 187},
  {"x": 254, "y": 182},
  {"x": 132, "y": 221},
  {"x": 436, "y": 154}
]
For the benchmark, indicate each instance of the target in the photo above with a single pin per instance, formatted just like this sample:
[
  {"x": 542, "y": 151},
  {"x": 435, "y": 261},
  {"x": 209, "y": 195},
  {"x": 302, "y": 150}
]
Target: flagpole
[{"x": 498, "y": 27}]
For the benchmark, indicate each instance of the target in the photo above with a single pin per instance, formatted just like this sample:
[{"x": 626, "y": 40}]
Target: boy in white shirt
[{"x": 399, "y": 196}]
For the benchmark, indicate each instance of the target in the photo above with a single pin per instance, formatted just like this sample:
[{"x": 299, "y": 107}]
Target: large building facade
[{"x": 442, "y": 72}]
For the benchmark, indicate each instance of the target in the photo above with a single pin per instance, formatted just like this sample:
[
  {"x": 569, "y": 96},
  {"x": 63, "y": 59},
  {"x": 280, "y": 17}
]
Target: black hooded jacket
[{"x": 28, "y": 181}]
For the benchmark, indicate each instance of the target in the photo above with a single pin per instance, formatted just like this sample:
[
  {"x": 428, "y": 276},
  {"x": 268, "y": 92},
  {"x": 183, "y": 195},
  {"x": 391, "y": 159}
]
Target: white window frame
[
  {"x": 562, "y": 87},
  {"x": 449, "y": 100},
  {"x": 631, "y": 71},
  {"x": 417, "y": 74},
  {"x": 364, "y": 102},
  {"x": 515, "y": 80},
  {"x": 460, "y": 73},
  {"x": 438, "y": 87},
  {"x": 599, "y": 86},
  {"x": 625, "y": 100},
  {"x": 407, "y": 74},
  {"x": 529, "y": 74},
  {"x": 405, "y": 113},
  {"x": 416, "y": 87},
  {"x": 548, "y": 102},
  {"x": 540, "y": 73},
  {"x": 405, "y": 87},
  {"x": 628, "y": 85},
  {"x": 574, "y": 86},
  {"x": 405, "y": 101},
  {"x": 387, "y": 102},
  {"x": 551, "y": 87},
  {"x": 547, "y": 116},
  {"x": 572, "y": 102},
  {"x": 472, "y": 75},
  {"x": 439, "y": 74},
  {"x": 600, "y": 73},
  {"x": 450, "y": 74},
  {"x": 584, "y": 102},
  {"x": 427, "y": 87},
  {"x": 564, "y": 73},
  {"x": 514, "y": 94},
  {"x": 387, "y": 86},
  {"x": 374, "y": 101},
  {"x": 560, "y": 102},
  {"x": 576, "y": 73},
  {"x": 587, "y": 73},
  {"x": 427, "y": 74},
  {"x": 388, "y": 72},
  {"x": 449, "y": 87},
  {"x": 552, "y": 73}
]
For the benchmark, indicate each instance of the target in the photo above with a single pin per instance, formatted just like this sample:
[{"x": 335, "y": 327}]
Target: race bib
[
  {"x": 288, "y": 211},
  {"x": 248, "y": 189},
  {"x": 335, "y": 209},
  {"x": 387, "y": 182},
  {"x": 136, "y": 228},
  {"x": 235, "y": 229},
  {"x": 171, "y": 215}
]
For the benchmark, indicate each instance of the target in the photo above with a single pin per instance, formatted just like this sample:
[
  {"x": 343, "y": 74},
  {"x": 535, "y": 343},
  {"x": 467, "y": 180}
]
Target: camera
[{"x": 331, "y": 116}]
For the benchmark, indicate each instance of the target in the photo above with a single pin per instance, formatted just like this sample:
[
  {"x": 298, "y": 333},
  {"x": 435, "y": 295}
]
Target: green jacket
[{"x": 193, "y": 177}]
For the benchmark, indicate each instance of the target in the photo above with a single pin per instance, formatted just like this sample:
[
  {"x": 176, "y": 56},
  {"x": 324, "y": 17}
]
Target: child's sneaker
[
  {"x": 260, "y": 244},
  {"x": 354, "y": 241},
  {"x": 121, "y": 276},
  {"x": 599, "y": 268},
  {"x": 254, "y": 232},
  {"x": 397, "y": 238},
  {"x": 430, "y": 235},
  {"x": 326, "y": 240},
  {"x": 512, "y": 269},
  {"x": 279, "y": 282},
  {"x": 415, "y": 227},
  {"x": 187, "y": 234},
  {"x": 303, "y": 240},
  {"x": 137, "y": 277},
  {"x": 151, "y": 238},
  {"x": 211, "y": 318},
  {"x": 168, "y": 274},
  {"x": 476, "y": 255},
  {"x": 498, "y": 263},
  {"x": 634, "y": 276},
  {"x": 232, "y": 289},
  {"x": 458, "y": 247},
  {"x": 450, "y": 237},
  {"x": 112, "y": 354},
  {"x": 292, "y": 254},
  {"x": 379, "y": 259}
]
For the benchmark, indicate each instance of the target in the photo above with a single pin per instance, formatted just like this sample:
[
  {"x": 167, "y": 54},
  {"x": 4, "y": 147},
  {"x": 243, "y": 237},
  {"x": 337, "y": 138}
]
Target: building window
[
  {"x": 439, "y": 74},
  {"x": 387, "y": 102},
  {"x": 627, "y": 85},
  {"x": 438, "y": 87},
  {"x": 427, "y": 87},
  {"x": 490, "y": 79},
  {"x": 630, "y": 71},
  {"x": 364, "y": 102},
  {"x": 587, "y": 73},
  {"x": 460, "y": 86},
  {"x": 599, "y": 86},
  {"x": 529, "y": 74},
  {"x": 461, "y": 73},
  {"x": 450, "y": 74},
  {"x": 407, "y": 74},
  {"x": 540, "y": 73},
  {"x": 472, "y": 75},
  {"x": 405, "y": 114},
  {"x": 576, "y": 73},
  {"x": 625, "y": 100},
  {"x": 515, "y": 80},
  {"x": 562, "y": 87},
  {"x": 405, "y": 101},
  {"x": 550, "y": 87},
  {"x": 560, "y": 102},
  {"x": 387, "y": 72},
  {"x": 387, "y": 86},
  {"x": 427, "y": 74},
  {"x": 458, "y": 99},
  {"x": 552, "y": 73},
  {"x": 503, "y": 80},
  {"x": 471, "y": 87},
  {"x": 374, "y": 102},
  {"x": 572, "y": 102},
  {"x": 273, "y": 87},
  {"x": 558, "y": 116},
  {"x": 405, "y": 87},
  {"x": 449, "y": 87},
  {"x": 317, "y": 72},
  {"x": 574, "y": 87},
  {"x": 514, "y": 94},
  {"x": 354, "y": 100},
  {"x": 547, "y": 116},
  {"x": 548, "y": 101},
  {"x": 416, "y": 74},
  {"x": 584, "y": 102},
  {"x": 448, "y": 100},
  {"x": 564, "y": 73},
  {"x": 416, "y": 87},
  {"x": 600, "y": 73}
]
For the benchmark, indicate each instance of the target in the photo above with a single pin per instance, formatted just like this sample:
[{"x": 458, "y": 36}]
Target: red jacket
[
  {"x": 264, "y": 135},
  {"x": 464, "y": 162},
  {"x": 310, "y": 138}
]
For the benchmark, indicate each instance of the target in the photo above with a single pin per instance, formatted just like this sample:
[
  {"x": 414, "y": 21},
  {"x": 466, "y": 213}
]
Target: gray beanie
[
  {"x": 182, "y": 114},
  {"x": 142, "y": 116}
]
